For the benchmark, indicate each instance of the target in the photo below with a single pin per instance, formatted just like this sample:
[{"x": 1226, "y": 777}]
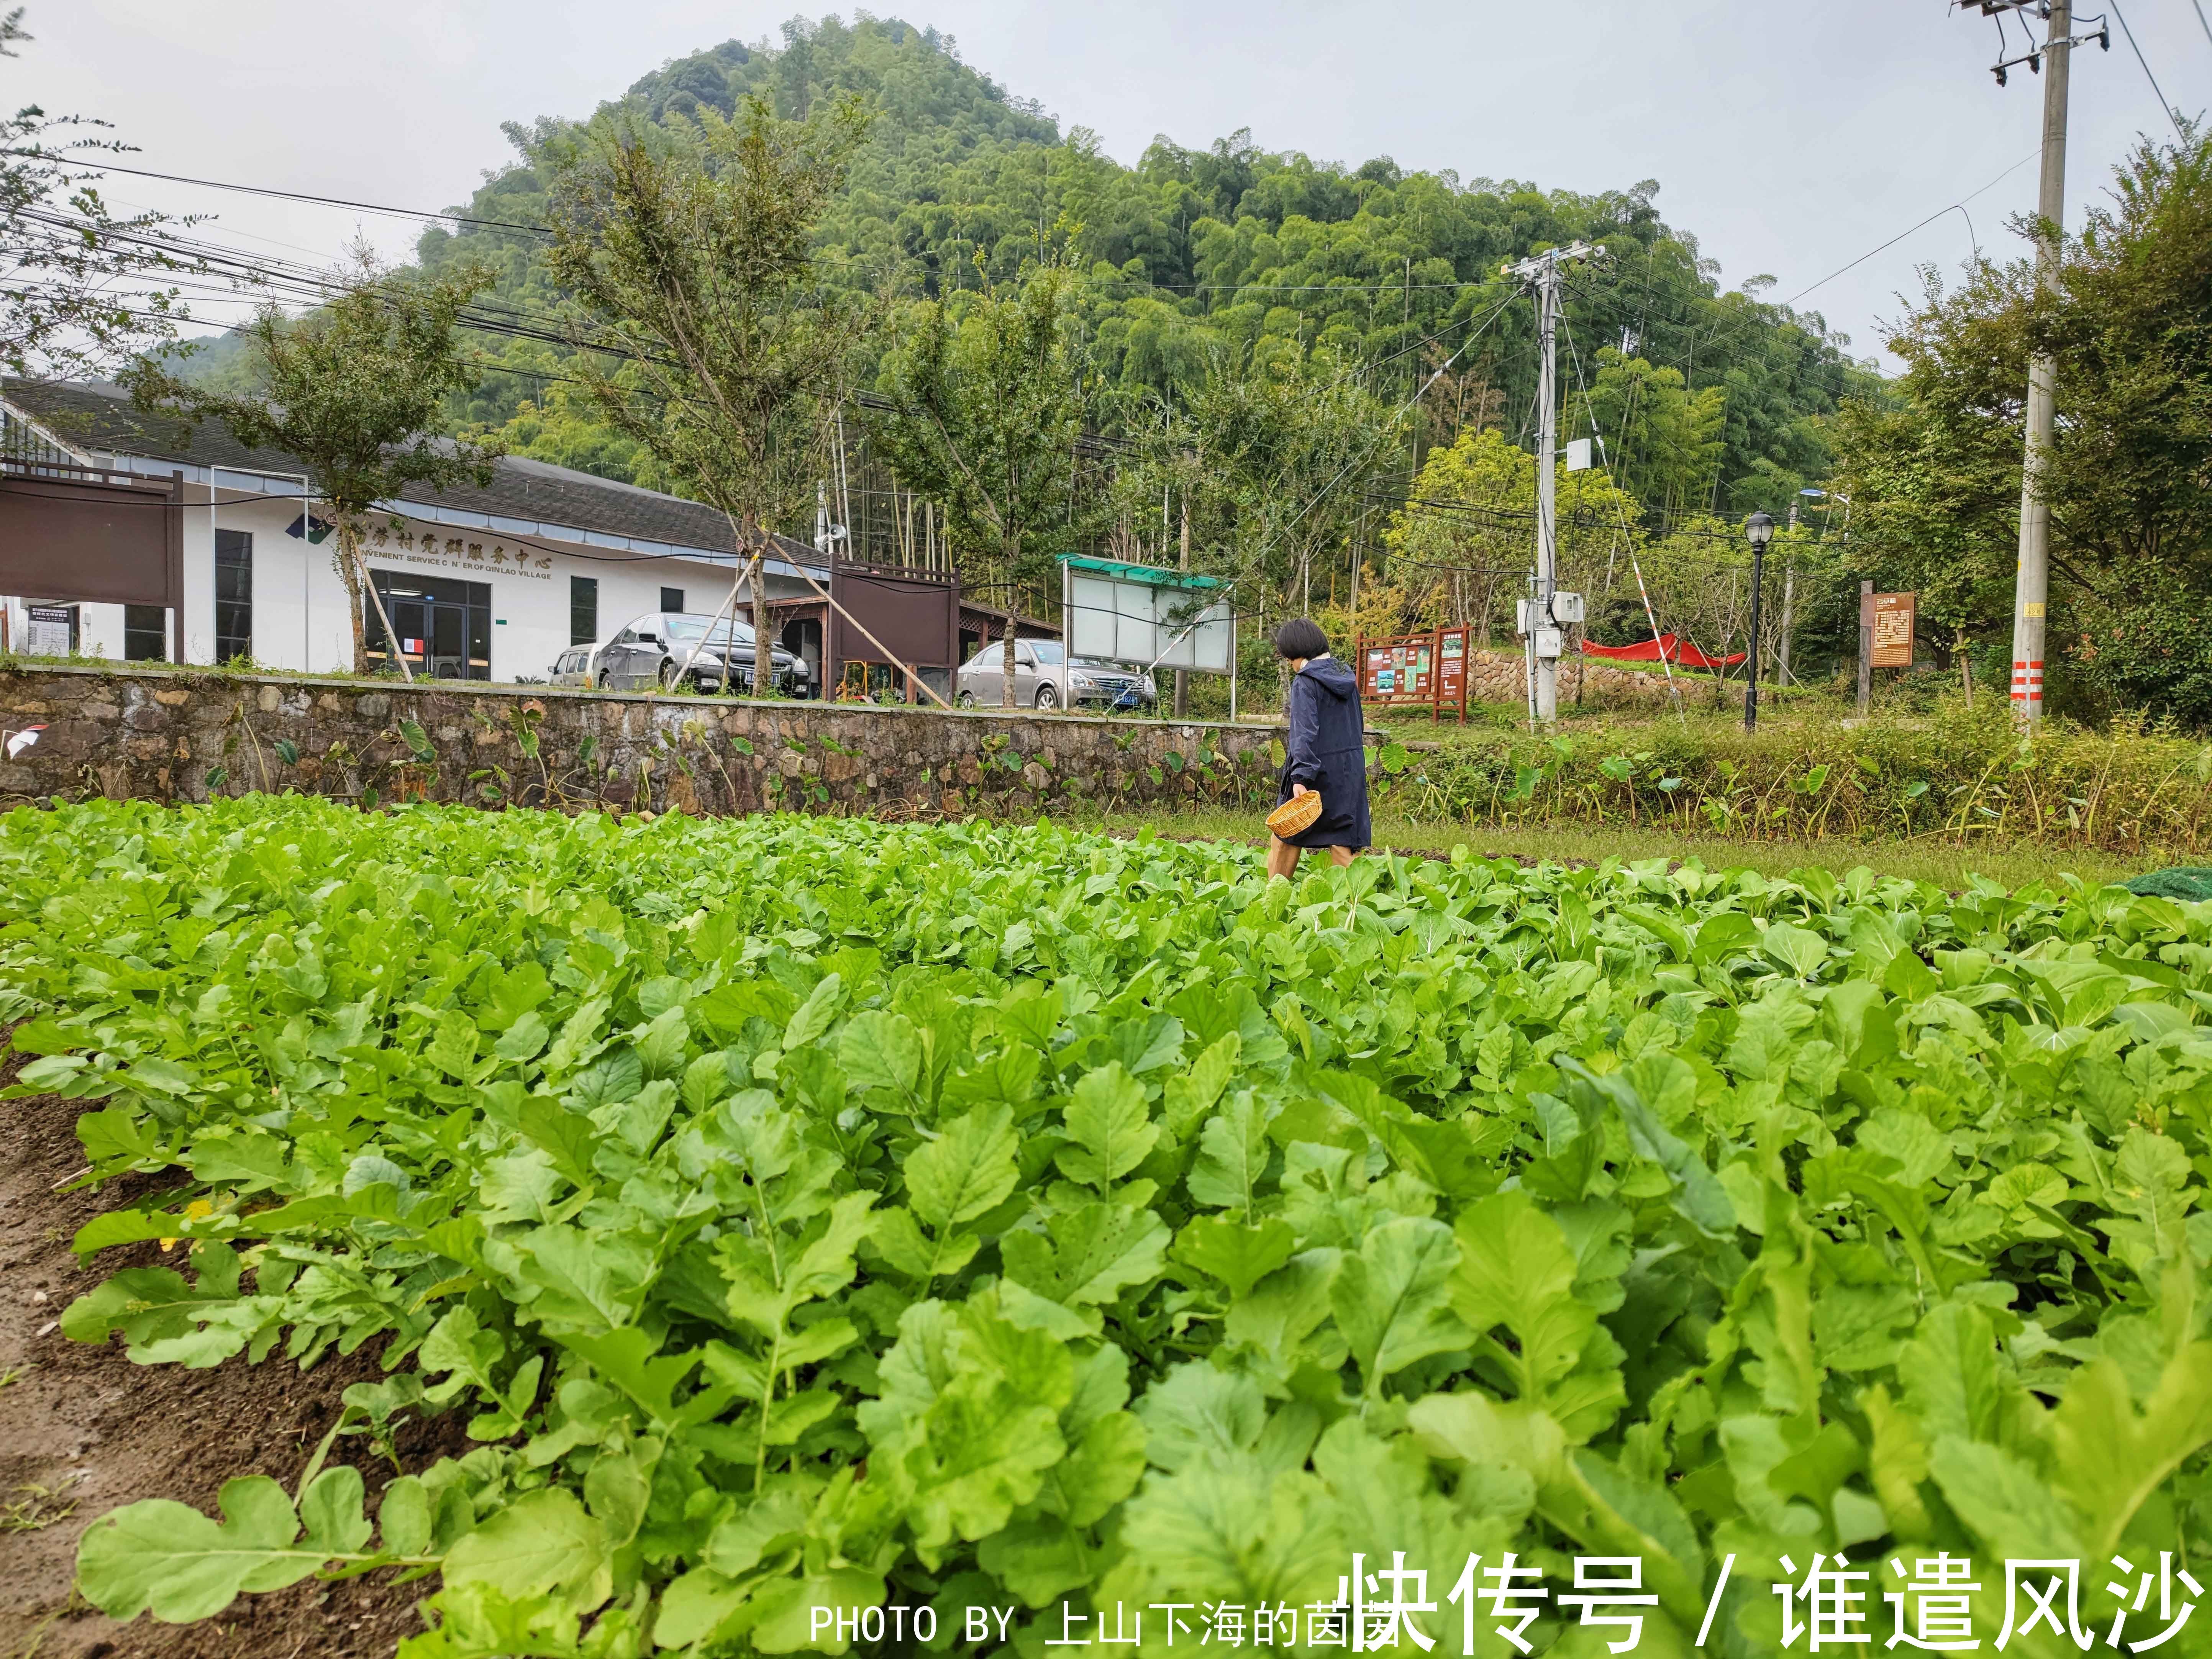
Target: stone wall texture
[
  {"x": 1591, "y": 681},
  {"x": 179, "y": 735}
]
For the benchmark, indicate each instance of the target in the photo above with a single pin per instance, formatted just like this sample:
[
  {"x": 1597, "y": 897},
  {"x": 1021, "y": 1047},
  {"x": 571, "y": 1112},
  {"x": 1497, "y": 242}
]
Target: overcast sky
[{"x": 1792, "y": 136}]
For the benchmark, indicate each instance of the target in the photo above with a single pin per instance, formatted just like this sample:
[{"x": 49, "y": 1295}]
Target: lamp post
[{"x": 1758, "y": 530}]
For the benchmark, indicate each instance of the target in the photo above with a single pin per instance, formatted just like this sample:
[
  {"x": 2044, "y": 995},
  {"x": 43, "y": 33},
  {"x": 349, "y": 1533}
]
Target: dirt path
[{"x": 82, "y": 1429}]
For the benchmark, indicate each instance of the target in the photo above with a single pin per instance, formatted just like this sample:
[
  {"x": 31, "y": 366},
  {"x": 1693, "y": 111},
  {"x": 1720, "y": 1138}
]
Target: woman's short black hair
[{"x": 1301, "y": 636}]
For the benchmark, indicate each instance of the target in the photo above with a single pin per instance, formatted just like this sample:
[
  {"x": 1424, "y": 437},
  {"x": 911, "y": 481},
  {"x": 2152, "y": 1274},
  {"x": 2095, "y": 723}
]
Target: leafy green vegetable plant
[{"x": 808, "y": 1214}]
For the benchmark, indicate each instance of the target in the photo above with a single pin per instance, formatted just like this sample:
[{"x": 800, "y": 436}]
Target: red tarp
[{"x": 1680, "y": 653}]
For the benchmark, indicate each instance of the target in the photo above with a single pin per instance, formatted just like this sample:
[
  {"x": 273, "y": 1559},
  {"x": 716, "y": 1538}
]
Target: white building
[{"x": 490, "y": 583}]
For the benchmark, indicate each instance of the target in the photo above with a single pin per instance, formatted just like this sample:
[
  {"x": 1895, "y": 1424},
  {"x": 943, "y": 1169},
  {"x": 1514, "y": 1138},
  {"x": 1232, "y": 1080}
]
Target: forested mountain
[{"x": 1713, "y": 399}]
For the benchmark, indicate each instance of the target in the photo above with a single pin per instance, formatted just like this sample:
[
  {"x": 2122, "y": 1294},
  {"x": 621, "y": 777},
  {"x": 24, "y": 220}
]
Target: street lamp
[{"x": 1758, "y": 530}]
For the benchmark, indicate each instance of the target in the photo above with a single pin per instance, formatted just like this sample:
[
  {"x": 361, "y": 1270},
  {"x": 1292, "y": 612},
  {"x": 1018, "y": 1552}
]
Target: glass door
[{"x": 444, "y": 627}]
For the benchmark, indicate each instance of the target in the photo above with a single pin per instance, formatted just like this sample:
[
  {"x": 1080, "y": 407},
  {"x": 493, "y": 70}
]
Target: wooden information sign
[
  {"x": 1452, "y": 646},
  {"x": 1411, "y": 669},
  {"x": 1893, "y": 618}
]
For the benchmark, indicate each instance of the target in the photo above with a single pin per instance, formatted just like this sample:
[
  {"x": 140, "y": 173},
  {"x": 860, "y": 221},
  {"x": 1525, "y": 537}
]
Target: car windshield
[
  {"x": 688, "y": 629},
  {"x": 1048, "y": 651},
  {"x": 1095, "y": 662}
]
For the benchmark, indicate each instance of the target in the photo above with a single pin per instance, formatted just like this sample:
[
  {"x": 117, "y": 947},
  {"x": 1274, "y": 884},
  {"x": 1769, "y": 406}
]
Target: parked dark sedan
[{"x": 662, "y": 647}]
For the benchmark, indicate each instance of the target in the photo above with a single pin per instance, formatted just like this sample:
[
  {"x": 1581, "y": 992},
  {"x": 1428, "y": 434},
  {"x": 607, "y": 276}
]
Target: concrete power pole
[
  {"x": 2032, "y": 589},
  {"x": 1542, "y": 272},
  {"x": 2033, "y": 586}
]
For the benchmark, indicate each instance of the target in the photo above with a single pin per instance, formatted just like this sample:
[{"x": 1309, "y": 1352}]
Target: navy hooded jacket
[{"x": 1324, "y": 753}]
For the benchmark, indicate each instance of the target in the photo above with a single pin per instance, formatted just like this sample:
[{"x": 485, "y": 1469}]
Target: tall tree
[
  {"x": 1934, "y": 475},
  {"x": 710, "y": 341},
  {"x": 984, "y": 415},
  {"x": 80, "y": 285},
  {"x": 1291, "y": 441},
  {"x": 1668, "y": 439},
  {"x": 1460, "y": 548},
  {"x": 355, "y": 391}
]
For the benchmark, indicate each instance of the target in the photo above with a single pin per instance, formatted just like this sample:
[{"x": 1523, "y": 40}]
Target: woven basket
[{"x": 1295, "y": 816}]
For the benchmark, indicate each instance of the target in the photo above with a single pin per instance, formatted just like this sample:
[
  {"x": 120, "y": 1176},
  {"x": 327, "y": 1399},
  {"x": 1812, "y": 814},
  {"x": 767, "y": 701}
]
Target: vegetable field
[{"x": 807, "y": 1214}]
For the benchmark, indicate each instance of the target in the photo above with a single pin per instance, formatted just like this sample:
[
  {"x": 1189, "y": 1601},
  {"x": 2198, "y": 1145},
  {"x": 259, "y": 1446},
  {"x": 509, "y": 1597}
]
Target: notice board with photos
[
  {"x": 1416, "y": 669},
  {"x": 1894, "y": 616}
]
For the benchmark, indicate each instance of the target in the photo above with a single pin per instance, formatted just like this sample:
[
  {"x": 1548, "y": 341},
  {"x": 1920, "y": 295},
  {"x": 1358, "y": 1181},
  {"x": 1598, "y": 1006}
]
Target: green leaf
[
  {"x": 1517, "y": 1272},
  {"x": 1238, "y": 1254},
  {"x": 542, "y": 1542},
  {"x": 881, "y": 1051},
  {"x": 330, "y": 1511},
  {"x": 815, "y": 1014},
  {"x": 1233, "y": 1156},
  {"x": 1389, "y": 1299},
  {"x": 966, "y": 1170},
  {"x": 2110, "y": 1457},
  {"x": 1111, "y": 1129},
  {"x": 1091, "y": 1255},
  {"x": 169, "y": 1560},
  {"x": 1798, "y": 949},
  {"x": 2001, "y": 1500},
  {"x": 1196, "y": 1412}
]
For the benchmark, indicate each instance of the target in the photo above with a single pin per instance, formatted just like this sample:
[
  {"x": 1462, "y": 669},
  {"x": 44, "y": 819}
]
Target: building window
[
  {"x": 145, "y": 633},
  {"x": 444, "y": 626},
  {"x": 671, "y": 600},
  {"x": 233, "y": 594},
  {"x": 583, "y": 610}
]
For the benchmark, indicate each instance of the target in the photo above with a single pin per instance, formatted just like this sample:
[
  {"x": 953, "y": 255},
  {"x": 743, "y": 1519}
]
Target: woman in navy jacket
[{"x": 1324, "y": 749}]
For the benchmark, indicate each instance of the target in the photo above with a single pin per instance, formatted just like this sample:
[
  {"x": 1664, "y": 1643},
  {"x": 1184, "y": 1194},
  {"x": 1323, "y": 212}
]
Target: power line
[
  {"x": 2148, "y": 76},
  {"x": 286, "y": 195}
]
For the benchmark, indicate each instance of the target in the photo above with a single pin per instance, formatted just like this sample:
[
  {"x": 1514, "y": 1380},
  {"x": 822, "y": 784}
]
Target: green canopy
[{"x": 1158, "y": 575}]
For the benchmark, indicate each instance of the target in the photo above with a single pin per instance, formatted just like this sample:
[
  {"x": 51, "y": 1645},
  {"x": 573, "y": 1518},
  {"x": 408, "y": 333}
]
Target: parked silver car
[
  {"x": 1044, "y": 678},
  {"x": 658, "y": 648}
]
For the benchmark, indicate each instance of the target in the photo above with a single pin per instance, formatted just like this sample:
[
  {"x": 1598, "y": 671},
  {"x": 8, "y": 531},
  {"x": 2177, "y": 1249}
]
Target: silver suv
[
  {"x": 661, "y": 647},
  {"x": 1045, "y": 679}
]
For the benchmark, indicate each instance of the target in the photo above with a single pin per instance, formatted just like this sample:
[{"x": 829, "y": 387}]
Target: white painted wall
[{"x": 301, "y": 620}]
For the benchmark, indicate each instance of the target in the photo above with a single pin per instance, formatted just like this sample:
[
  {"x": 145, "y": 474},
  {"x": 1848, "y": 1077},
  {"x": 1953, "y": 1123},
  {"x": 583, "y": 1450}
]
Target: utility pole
[
  {"x": 1866, "y": 648},
  {"x": 1542, "y": 624},
  {"x": 1789, "y": 604},
  {"x": 2031, "y": 587}
]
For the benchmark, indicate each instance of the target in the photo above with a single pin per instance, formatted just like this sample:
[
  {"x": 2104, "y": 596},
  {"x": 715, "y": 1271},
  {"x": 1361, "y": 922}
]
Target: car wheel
[
  {"x": 671, "y": 675},
  {"x": 966, "y": 699},
  {"x": 1046, "y": 697}
]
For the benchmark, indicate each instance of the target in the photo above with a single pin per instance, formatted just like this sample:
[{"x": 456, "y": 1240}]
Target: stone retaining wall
[
  {"x": 1497, "y": 676},
  {"x": 185, "y": 735}
]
